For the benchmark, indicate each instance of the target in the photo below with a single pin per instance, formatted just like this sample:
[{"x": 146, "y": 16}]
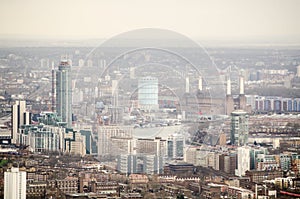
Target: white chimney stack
[
  {"x": 187, "y": 85},
  {"x": 200, "y": 86},
  {"x": 242, "y": 85},
  {"x": 228, "y": 91}
]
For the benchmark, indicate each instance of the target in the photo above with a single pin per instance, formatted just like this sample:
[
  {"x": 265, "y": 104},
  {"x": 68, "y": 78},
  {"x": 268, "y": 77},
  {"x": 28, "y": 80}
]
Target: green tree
[{"x": 180, "y": 196}]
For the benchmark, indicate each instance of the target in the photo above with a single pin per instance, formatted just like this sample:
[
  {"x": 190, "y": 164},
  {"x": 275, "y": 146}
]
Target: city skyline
[{"x": 149, "y": 99}]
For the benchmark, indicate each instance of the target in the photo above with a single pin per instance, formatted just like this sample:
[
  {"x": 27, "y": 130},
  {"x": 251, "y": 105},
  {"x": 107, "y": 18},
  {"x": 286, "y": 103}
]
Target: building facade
[
  {"x": 243, "y": 163},
  {"x": 14, "y": 184},
  {"x": 140, "y": 163},
  {"x": 148, "y": 93},
  {"x": 46, "y": 136},
  {"x": 110, "y": 136},
  {"x": 19, "y": 117},
  {"x": 239, "y": 128},
  {"x": 176, "y": 144},
  {"x": 64, "y": 92}
]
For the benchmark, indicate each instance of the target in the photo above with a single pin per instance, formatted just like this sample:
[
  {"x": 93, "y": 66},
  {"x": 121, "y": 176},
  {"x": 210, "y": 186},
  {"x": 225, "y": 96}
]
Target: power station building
[{"x": 235, "y": 102}]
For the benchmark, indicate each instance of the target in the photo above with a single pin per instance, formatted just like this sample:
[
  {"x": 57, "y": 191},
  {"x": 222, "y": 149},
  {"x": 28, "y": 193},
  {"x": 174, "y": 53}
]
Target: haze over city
[
  {"x": 233, "y": 20},
  {"x": 149, "y": 99}
]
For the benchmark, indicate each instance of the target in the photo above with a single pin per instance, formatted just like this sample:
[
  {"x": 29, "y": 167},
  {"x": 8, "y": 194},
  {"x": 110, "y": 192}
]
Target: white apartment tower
[
  {"x": 19, "y": 117},
  {"x": 15, "y": 184},
  {"x": 243, "y": 155}
]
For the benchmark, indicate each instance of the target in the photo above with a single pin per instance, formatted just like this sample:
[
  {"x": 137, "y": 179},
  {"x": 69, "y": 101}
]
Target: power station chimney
[
  {"x": 242, "y": 85},
  {"x": 200, "y": 86},
  {"x": 187, "y": 85},
  {"x": 228, "y": 91}
]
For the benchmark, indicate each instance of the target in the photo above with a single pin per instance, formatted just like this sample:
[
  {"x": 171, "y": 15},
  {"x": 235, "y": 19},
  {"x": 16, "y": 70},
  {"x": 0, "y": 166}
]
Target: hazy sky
[{"x": 198, "y": 19}]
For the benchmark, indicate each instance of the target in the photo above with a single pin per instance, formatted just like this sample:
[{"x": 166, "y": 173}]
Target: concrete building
[
  {"x": 14, "y": 184},
  {"x": 149, "y": 164},
  {"x": 64, "y": 92},
  {"x": 121, "y": 145},
  {"x": 156, "y": 146},
  {"x": 88, "y": 140},
  {"x": 191, "y": 155},
  {"x": 243, "y": 160},
  {"x": 227, "y": 163},
  {"x": 285, "y": 162},
  {"x": 127, "y": 164},
  {"x": 19, "y": 117},
  {"x": 202, "y": 158},
  {"x": 107, "y": 134},
  {"x": 213, "y": 160},
  {"x": 75, "y": 143},
  {"x": 176, "y": 144},
  {"x": 154, "y": 164},
  {"x": 239, "y": 128}
]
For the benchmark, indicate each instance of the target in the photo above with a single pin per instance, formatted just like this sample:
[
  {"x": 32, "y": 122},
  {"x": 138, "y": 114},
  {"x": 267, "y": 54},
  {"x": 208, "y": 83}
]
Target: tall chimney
[
  {"x": 242, "y": 85},
  {"x": 187, "y": 85},
  {"x": 200, "y": 86},
  {"x": 228, "y": 91}
]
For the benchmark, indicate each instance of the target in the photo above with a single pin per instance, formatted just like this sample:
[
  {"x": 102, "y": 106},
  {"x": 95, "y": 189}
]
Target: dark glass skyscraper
[{"x": 64, "y": 92}]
